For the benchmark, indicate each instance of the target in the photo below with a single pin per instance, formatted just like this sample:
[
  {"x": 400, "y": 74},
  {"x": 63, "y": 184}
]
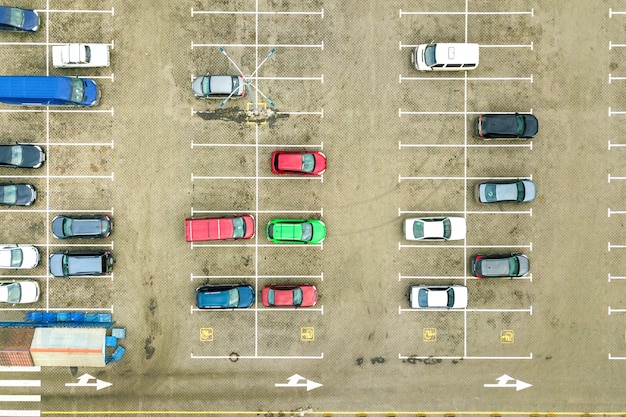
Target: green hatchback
[{"x": 296, "y": 231}]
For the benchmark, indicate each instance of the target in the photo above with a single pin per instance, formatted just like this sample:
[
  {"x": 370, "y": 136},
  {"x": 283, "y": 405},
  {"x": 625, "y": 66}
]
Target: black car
[
  {"x": 16, "y": 19},
  {"x": 66, "y": 264},
  {"x": 17, "y": 194},
  {"x": 500, "y": 265},
  {"x": 84, "y": 226},
  {"x": 503, "y": 126},
  {"x": 21, "y": 156}
]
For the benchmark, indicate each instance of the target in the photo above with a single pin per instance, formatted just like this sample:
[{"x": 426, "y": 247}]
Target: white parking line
[
  {"x": 253, "y": 145},
  {"x": 460, "y": 145},
  {"x": 20, "y": 383},
  {"x": 456, "y": 113},
  {"x": 531, "y": 12},
  {"x": 444, "y": 245},
  {"x": 530, "y": 78},
  {"x": 447, "y": 212},
  {"x": 611, "y": 12},
  {"x": 112, "y": 11},
  {"x": 320, "y": 277},
  {"x": 616, "y": 45},
  {"x": 252, "y": 45},
  {"x": 60, "y": 176},
  {"x": 60, "y": 309},
  {"x": 530, "y": 177},
  {"x": 468, "y": 310},
  {"x": 611, "y": 246},
  {"x": 111, "y": 144},
  {"x": 20, "y": 368},
  {"x": 217, "y": 12},
  {"x": 56, "y": 111},
  {"x": 427, "y": 277},
  {"x": 613, "y": 177},
  {"x": 320, "y": 78},
  {"x": 256, "y": 356},
  {"x": 286, "y": 177},
  {"x": 320, "y": 212},
  {"x": 611, "y": 112},
  {"x": 616, "y": 310},
  {"x": 615, "y": 212},
  {"x": 616, "y": 278},
  {"x": 20, "y": 398},
  {"x": 616, "y": 145}
]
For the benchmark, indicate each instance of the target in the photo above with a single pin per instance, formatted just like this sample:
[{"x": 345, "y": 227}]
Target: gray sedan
[{"x": 514, "y": 191}]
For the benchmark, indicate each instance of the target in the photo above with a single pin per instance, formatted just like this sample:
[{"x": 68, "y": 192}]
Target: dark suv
[
  {"x": 66, "y": 264},
  {"x": 507, "y": 126}
]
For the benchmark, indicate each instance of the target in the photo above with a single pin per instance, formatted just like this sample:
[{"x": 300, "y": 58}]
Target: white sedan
[
  {"x": 78, "y": 55},
  {"x": 452, "y": 296},
  {"x": 19, "y": 292},
  {"x": 435, "y": 228},
  {"x": 18, "y": 256}
]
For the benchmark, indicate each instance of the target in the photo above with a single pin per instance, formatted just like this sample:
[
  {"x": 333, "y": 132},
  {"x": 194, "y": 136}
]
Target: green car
[{"x": 296, "y": 231}]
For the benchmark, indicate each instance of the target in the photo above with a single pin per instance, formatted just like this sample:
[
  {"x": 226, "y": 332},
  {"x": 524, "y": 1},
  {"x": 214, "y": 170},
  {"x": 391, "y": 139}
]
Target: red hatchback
[
  {"x": 219, "y": 228},
  {"x": 289, "y": 295},
  {"x": 298, "y": 162}
]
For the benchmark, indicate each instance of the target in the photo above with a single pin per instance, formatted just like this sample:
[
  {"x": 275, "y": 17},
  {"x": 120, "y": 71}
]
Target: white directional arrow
[
  {"x": 294, "y": 382},
  {"x": 503, "y": 383},
  {"x": 83, "y": 381}
]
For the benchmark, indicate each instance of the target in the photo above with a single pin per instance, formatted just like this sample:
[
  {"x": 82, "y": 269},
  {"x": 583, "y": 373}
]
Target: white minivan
[{"x": 445, "y": 56}]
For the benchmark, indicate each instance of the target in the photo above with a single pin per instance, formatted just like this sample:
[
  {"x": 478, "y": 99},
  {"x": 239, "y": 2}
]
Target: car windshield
[
  {"x": 67, "y": 227},
  {"x": 77, "y": 90},
  {"x": 447, "y": 229},
  {"x": 307, "y": 231},
  {"x": 16, "y": 17},
  {"x": 418, "y": 230},
  {"x": 16, "y": 258},
  {"x": 422, "y": 297},
  {"x": 233, "y": 297},
  {"x": 520, "y": 125},
  {"x": 87, "y": 54},
  {"x": 513, "y": 265},
  {"x": 104, "y": 225},
  {"x": 14, "y": 293},
  {"x": 429, "y": 55},
  {"x": 66, "y": 270},
  {"x": 9, "y": 194},
  {"x": 308, "y": 162},
  {"x": 239, "y": 228},
  {"x": 520, "y": 191},
  {"x": 450, "y": 292},
  {"x": 297, "y": 296},
  {"x": 16, "y": 155},
  {"x": 206, "y": 85}
]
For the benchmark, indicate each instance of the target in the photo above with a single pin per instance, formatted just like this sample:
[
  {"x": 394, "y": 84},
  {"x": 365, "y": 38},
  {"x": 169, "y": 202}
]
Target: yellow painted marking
[
  {"x": 429, "y": 334},
  {"x": 206, "y": 334},
  {"x": 325, "y": 413},
  {"x": 507, "y": 337},
  {"x": 307, "y": 334},
  {"x": 260, "y": 107}
]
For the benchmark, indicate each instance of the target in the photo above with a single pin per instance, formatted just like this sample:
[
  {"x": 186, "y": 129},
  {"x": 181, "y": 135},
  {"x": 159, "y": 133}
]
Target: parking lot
[{"x": 400, "y": 143}]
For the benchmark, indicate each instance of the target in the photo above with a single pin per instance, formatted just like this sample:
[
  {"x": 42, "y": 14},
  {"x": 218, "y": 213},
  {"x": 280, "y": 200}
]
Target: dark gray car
[
  {"x": 513, "y": 191},
  {"x": 21, "y": 156},
  {"x": 84, "y": 226},
  {"x": 507, "y": 126},
  {"x": 66, "y": 264},
  {"x": 17, "y": 194},
  {"x": 500, "y": 265}
]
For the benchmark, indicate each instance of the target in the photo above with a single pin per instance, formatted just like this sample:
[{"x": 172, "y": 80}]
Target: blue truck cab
[{"x": 26, "y": 90}]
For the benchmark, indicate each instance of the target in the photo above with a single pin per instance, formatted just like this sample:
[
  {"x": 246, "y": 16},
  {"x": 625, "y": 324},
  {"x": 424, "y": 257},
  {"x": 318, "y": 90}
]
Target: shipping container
[
  {"x": 68, "y": 346},
  {"x": 14, "y": 346}
]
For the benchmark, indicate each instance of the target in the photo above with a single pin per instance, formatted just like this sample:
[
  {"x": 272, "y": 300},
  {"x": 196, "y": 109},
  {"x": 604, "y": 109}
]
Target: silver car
[
  {"x": 514, "y": 191},
  {"x": 218, "y": 86}
]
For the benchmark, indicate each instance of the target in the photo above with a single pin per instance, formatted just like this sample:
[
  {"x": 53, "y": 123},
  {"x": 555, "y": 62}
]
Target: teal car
[{"x": 296, "y": 231}]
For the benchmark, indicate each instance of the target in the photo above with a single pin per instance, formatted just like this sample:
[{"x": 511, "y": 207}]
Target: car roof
[{"x": 82, "y": 264}]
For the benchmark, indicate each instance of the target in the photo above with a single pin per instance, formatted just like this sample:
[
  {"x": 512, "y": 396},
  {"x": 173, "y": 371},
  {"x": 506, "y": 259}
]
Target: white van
[{"x": 445, "y": 56}]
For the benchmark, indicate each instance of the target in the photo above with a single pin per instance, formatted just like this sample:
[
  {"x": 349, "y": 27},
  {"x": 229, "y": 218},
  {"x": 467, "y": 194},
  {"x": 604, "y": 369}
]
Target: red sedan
[
  {"x": 289, "y": 295},
  {"x": 219, "y": 228},
  {"x": 298, "y": 162}
]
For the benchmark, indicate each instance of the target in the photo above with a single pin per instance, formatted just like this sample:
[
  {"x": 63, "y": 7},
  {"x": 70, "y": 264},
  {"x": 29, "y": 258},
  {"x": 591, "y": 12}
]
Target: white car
[
  {"x": 450, "y": 296},
  {"x": 77, "y": 55},
  {"x": 19, "y": 256},
  {"x": 435, "y": 228},
  {"x": 19, "y": 292}
]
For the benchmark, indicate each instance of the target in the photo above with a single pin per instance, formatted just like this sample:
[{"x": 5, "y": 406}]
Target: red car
[
  {"x": 298, "y": 162},
  {"x": 289, "y": 295},
  {"x": 219, "y": 228}
]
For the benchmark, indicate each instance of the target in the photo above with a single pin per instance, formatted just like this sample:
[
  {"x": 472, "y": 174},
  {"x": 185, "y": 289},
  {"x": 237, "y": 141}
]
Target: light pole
[{"x": 247, "y": 79}]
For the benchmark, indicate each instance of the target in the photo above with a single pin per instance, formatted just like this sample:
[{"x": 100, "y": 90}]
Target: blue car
[
  {"x": 225, "y": 296},
  {"x": 16, "y": 19}
]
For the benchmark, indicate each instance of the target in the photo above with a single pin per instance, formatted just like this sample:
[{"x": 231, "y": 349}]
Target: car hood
[
  {"x": 32, "y": 156},
  {"x": 30, "y": 256},
  {"x": 246, "y": 296},
  {"x": 31, "y": 20},
  {"x": 26, "y": 195},
  {"x": 309, "y": 296},
  {"x": 460, "y": 297},
  {"x": 531, "y": 125},
  {"x": 56, "y": 264},
  {"x": 458, "y": 228},
  {"x": 196, "y": 86},
  {"x": 30, "y": 292}
]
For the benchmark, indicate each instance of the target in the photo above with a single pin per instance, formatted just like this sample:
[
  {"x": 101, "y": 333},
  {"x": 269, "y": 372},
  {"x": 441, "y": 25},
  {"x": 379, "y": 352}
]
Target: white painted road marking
[{"x": 503, "y": 383}]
